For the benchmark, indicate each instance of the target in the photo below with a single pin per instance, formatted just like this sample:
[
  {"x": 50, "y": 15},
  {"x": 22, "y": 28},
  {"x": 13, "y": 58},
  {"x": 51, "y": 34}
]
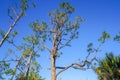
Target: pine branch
[{"x": 11, "y": 27}]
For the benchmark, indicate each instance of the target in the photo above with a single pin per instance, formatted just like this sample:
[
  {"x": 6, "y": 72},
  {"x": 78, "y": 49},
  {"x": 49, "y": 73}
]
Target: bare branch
[
  {"x": 47, "y": 48},
  {"x": 70, "y": 66},
  {"x": 73, "y": 65},
  {"x": 78, "y": 65},
  {"x": 11, "y": 27},
  {"x": 11, "y": 42},
  {"x": 9, "y": 60}
]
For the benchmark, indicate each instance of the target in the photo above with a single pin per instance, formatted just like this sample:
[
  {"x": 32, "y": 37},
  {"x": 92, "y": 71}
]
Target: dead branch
[{"x": 80, "y": 65}]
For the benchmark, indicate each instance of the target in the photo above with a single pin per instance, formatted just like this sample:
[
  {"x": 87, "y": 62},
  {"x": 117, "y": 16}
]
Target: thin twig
[
  {"x": 46, "y": 46},
  {"x": 8, "y": 60}
]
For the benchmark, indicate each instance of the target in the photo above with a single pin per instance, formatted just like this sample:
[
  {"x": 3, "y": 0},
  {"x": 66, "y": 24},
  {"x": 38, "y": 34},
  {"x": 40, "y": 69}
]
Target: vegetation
[
  {"x": 59, "y": 34},
  {"x": 109, "y": 68}
]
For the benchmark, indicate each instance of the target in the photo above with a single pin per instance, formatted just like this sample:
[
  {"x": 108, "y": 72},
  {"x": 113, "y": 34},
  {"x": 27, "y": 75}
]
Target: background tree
[
  {"x": 15, "y": 13},
  {"x": 109, "y": 68},
  {"x": 26, "y": 60},
  {"x": 26, "y": 63}
]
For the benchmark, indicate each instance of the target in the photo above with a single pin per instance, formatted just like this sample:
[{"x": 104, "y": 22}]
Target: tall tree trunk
[
  {"x": 28, "y": 66},
  {"x": 53, "y": 68}
]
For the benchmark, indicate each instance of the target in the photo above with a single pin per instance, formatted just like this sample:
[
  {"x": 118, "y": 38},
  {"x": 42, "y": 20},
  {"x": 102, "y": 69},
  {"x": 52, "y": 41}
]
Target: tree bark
[{"x": 53, "y": 68}]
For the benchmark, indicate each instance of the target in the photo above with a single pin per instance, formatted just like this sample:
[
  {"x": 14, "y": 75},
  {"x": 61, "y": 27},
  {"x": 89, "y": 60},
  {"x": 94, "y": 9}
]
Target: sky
[{"x": 100, "y": 15}]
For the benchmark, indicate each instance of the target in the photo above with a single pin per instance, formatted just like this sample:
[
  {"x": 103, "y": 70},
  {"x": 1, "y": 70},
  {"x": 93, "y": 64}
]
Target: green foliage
[
  {"x": 68, "y": 8},
  {"x": 32, "y": 76},
  {"x": 2, "y": 33},
  {"x": 117, "y": 38},
  {"x": 4, "y": 66},
  {"x": 109, "y": 68},
  {"x": 24, "y": 4},
  {"x": 32, "y": 39},
  {"x": 39, "y": 29},
  {"x": 26, "y": 52},
  {"x": 37, "y": 26},
  {"x": 33, "y": 4},
  {"x": 33, "y": 73},
  {"x": 58, "y": 54},
  {"x": 14, "y": 33},
  {"x": 66, "y": 29},
  {"x": 90, "y": 48},
  {"x": 9, "y": 71},
  {"x": 104, "y": 37}
]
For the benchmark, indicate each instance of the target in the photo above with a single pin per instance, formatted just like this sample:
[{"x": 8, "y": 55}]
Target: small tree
[{"x": 26, "y": 61}]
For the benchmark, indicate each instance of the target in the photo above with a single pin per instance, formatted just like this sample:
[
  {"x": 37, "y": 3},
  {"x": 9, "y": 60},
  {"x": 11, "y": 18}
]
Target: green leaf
[
  {"x": 62, "y": 5},
  {"x": 117, "y": 37},
  {"x": 20, "y": 47},
  {"x": 33, "y": 4},
  {"x": 2, "y": 33},
  {"x": 24, "y": 4},
  {"x": 78, "y": 17},
  {"x": 23, "y": 1},
  {"x": 9, "y": 71},
  {"x": 27, "y": 39},
  {"x": 26, "y": 52},
  {"x": 105, "y": 36},
  {"x": 14, "y": 33},
  {"x": 90, "y": 45}
]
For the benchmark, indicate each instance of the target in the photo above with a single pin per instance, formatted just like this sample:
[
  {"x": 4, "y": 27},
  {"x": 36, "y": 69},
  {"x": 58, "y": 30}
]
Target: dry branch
[{"x": 80, "y": 65}]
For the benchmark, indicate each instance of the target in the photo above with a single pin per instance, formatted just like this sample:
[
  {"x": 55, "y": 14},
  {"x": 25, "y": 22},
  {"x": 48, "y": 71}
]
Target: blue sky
[{"x": 100, "y": 15}]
